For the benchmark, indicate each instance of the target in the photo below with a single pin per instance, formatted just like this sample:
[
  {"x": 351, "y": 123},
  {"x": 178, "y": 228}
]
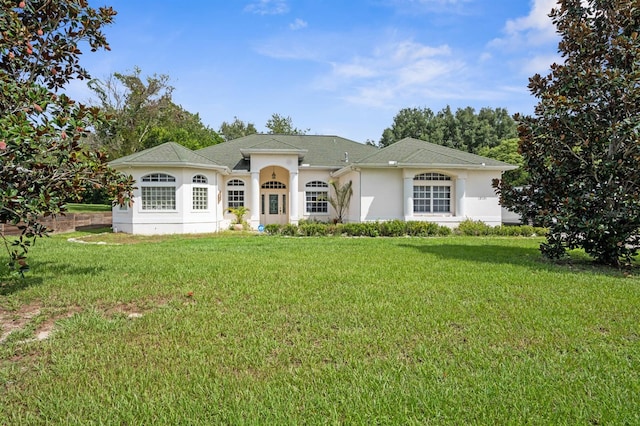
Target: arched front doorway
[
  {"x": 274, "y": 197},
  {"x": 273, "y": 203}
]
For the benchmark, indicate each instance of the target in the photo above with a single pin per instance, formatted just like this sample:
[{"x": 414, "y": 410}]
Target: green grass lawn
[
  {"x": 87, "y": 208},
  {"x": 244, "y": 329}
]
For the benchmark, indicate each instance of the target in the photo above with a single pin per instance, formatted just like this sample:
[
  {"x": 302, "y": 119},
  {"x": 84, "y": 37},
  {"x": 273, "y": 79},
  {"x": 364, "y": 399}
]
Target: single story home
[{"x": 286, "y": 178}]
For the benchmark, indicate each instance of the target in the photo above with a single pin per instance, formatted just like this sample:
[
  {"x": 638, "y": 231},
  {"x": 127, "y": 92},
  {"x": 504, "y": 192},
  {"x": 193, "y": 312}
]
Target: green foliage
[
  {"x": 478, "y": 228},
  {"x": 399, "y": 228},
  {"x": 465, "y": 130},
  {"x": 582, "y": 147},
  {"x": 341, "y": 198},
  {"x": 43, "y": 161},
  {"x": 507, "y": 151},
  {"x": 239, "y": 213},
  {"x": 236, "y": 129},
  {"x": 273, "y": 229},
  {"x": 281, "y": 125},
  {"x": 143, "y": 115}
]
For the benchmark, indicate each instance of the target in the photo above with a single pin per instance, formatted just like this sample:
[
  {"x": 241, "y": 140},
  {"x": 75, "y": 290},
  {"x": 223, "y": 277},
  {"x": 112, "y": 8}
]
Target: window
[
  {"x": 431, "y": 193},
  {"x": 200, "y": 192},
  {"x": 235, "y": 194},
  {"x": 158, "y": 192},
  {"x": 316, "y": 197},
  {"x": 273, "y": 185}
]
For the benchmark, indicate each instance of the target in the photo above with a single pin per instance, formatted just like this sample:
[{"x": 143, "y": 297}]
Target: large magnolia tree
[
  {"x": 42, "y": 160},
  {"x": 582, "y": 146}
]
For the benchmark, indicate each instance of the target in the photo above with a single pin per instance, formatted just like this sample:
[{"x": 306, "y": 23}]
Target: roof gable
[
  {"x": 415, "y": 152},
  {"x": 168, "y": 154},
  {"x": 319, "y": 151}
]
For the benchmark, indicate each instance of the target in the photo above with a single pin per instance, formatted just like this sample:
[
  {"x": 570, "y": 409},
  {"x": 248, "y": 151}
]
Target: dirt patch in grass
[
  {"x": 120, "y": 238},
  {"x": 32, "y": 315},
  {"x": 35, "y": 322}
]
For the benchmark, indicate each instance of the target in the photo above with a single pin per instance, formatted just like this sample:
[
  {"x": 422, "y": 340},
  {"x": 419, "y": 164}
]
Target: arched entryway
[{"x": 274, "y": 196}]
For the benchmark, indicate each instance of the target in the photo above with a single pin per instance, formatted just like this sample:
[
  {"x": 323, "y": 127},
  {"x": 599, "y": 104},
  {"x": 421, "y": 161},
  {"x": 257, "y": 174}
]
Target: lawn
[{"x": 245, "y": 329}]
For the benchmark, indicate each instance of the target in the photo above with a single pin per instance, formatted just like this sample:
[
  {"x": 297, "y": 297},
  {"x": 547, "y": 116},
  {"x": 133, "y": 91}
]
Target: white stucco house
[{"x": 285, "y": 178}]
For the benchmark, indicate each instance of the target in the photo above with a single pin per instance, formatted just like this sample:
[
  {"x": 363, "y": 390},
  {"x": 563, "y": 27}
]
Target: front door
[{"x": 274, "y": 207}]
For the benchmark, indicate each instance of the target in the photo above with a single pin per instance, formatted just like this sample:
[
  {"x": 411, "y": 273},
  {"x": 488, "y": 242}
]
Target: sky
[{"x": 336, "y": 67}]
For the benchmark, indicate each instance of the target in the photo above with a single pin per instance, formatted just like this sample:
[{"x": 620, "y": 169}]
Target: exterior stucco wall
[
  {"x": 310, "y": 175},
  {"x": 481, "y": 201},
  {"x": 381, "y": 196},
  {"x": 184, "y": 219}
]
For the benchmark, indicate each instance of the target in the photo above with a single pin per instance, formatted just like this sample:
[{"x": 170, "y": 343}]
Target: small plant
[{"x": 239, "y": 213}]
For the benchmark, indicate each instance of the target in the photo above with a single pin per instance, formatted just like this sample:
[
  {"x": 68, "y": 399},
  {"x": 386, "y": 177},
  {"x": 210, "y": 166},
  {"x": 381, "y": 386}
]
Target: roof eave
[{"x": 222, "y": 169}]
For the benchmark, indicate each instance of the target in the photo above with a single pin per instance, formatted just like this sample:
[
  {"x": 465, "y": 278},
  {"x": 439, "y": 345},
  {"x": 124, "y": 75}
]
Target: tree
[
  {"x": 409, "y": 122},
  {"x": 183, "y": 127},
  {"x": 507, "y": 151},
  {"x": 340, "y": 202},
  {"x": 582, "y": 146},
  {"x": 144, "y": 115},
  {"x": 42, "y": 159},
  {"x": 465, "y": 130},
  {"x": 236, "y": 129},
  {"x": 281, "y": 125}
]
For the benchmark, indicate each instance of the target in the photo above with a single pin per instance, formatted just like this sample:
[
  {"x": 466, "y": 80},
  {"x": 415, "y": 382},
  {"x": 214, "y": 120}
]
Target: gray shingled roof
[
  {"x": 325, "y": 151},
  {"x": 167, "y": 154},
  {"x": 415, "y": 152}
]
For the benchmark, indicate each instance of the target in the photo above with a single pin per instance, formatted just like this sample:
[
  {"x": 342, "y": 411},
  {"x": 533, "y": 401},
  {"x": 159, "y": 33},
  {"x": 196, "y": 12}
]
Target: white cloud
[
  {"x": 393, "y": 71},
  {"x": 298, "y": 24},
  {"x": 267, "y": 7},
  {"x": 528, "y": 40},
  {"x": 532, "y": 30}
]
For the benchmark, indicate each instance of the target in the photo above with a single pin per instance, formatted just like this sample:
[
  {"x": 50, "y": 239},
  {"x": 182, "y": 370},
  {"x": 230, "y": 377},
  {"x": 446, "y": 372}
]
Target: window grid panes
[
  {"x": 274, "y": 185},
  {"x": 431, "y": 176},
  {"x": 316, "y": 202},
  {"x": 431, "y": 199},
  {"x": 422, "y": 199},
  {"x": 158, "y": 177},
  {"x": 199, "y": 179},
  {"x": 317, "y": 184},
  {"x": 235, "y": 198},
  {"x": 200, "y": 198},
  {"x": 158, "y": 198}
]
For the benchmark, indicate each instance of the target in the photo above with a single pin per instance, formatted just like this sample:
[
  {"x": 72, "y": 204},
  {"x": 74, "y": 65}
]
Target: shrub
[
  {"x": 313, "y": 229},
  {"x": 289, "y": 229},
  {"x": 392, "y": 228},
  {"x": 422, "y": 229},
  {"x": 364, "y": 229},
  {"x": 273, "y": 229},
  {"x": 443, "y": 231},
  {"x": 473, "y": 228}
]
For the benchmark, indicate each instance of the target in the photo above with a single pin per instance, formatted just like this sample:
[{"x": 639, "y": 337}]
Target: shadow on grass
[
  {"x": 529, "y": 257},
  {"x": 34, "y": 277},
  {"x": 14, "y": 284}
]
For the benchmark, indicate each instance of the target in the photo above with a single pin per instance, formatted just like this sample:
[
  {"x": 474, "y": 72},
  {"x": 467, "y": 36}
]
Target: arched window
[
  {"x": 431, "y": 193},
  {"x": 200, "y": 192},
  {"x": 316, "y": 197},
  {"x": 273, "y": 185},
  {"x": 235, "y": 194},
  {"x": 158, "y": 192}
]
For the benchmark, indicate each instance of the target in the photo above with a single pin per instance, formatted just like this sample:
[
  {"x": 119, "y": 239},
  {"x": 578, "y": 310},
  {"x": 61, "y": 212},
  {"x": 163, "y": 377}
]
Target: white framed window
[
  {"x": 158, "y": 192},
  {"x": 200, "y": 192},
  {"x": 431, "y": 193},
  {"x": 316, "y": 197},
  {"x": 235, "y": 193}
]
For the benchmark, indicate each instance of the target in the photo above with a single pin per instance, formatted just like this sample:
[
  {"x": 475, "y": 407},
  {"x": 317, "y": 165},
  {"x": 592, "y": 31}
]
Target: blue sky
[{"x": 339, "y": 67}]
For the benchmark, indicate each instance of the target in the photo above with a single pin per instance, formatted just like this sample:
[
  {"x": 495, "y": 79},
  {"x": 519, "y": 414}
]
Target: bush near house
[{"x": 399, "y": 228}]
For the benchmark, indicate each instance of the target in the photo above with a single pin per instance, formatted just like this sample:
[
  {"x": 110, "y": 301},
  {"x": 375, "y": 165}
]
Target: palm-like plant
[
  {"x": 340, "y": 202},
  {"x": 239, "y": 213}
]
